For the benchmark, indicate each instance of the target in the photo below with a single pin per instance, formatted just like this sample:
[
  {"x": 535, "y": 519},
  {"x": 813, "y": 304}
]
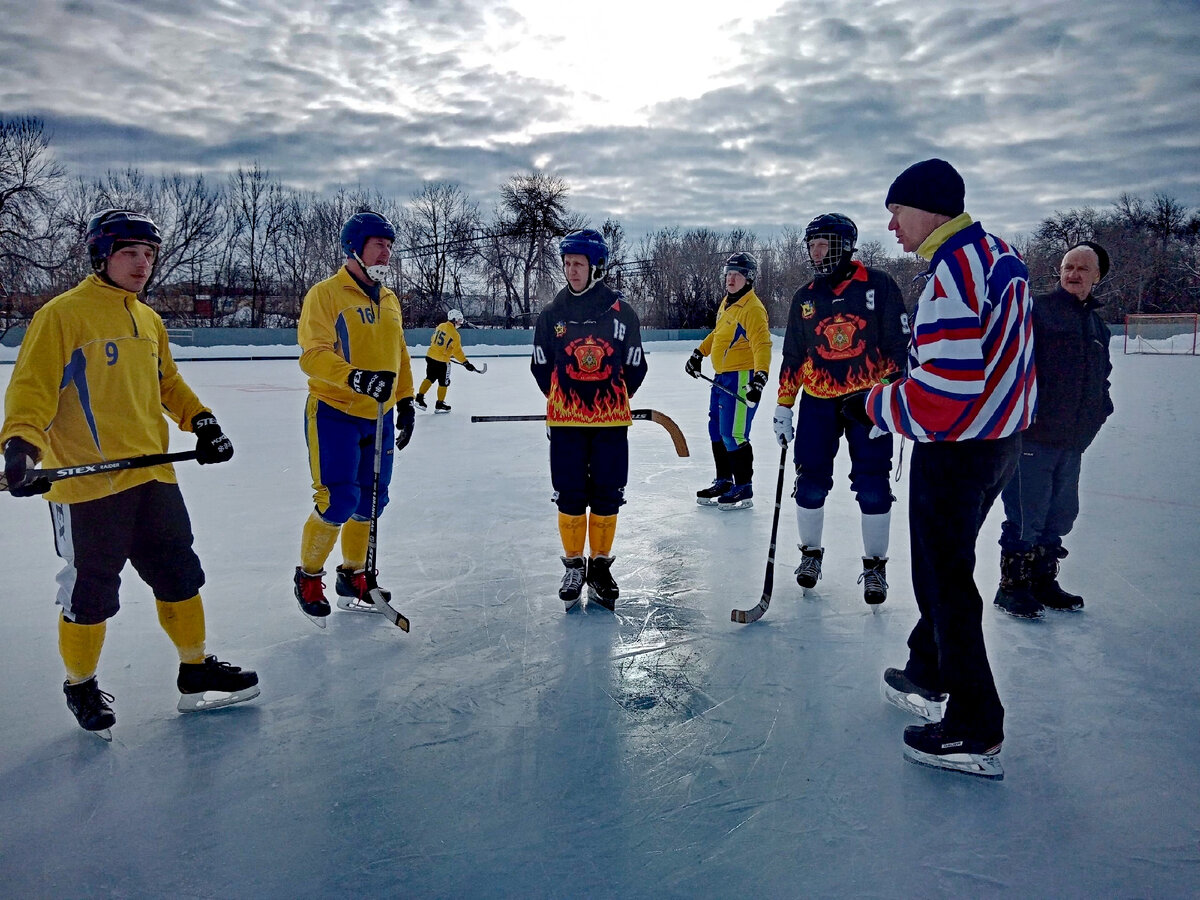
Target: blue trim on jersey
[
  {"x": 343, "y": 334},
  {"x": 75, "y": 372}
]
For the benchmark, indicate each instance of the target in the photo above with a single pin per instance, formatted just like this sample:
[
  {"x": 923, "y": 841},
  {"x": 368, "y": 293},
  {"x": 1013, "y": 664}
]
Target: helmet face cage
[
  {"x": 361, "y": 227},
  {"x": 589, "y": 243},
  {"x": 744, "y": 264},
  {"x": 112, "y": 226},
  {"x": 840, "y": 232}
]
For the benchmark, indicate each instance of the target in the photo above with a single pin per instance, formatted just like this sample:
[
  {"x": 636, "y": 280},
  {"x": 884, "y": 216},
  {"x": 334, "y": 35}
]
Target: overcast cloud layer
[{"x": 760, "y": 122}]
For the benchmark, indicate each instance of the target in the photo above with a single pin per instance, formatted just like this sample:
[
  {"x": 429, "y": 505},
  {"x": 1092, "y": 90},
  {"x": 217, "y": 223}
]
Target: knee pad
[
  {"x": 874, "y": 501},
  {"x": 809, "y": 493}
]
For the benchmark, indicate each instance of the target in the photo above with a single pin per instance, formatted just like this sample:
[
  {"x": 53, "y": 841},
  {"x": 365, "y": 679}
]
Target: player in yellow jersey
[{"x": 444, "y": 346}]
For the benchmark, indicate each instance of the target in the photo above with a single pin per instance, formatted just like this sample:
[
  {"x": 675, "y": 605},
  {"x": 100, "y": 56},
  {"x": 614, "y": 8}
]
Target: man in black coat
[{"x": 1041, "y": 501}]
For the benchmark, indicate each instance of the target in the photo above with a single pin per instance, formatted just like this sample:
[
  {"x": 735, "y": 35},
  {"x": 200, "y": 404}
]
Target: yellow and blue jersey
[
  {"x": 741, "y": 339},
  {"x": 445, "y": 344}
]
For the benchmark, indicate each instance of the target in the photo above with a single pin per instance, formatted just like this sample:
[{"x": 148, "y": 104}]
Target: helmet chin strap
[{"x": 375, "y": 273}]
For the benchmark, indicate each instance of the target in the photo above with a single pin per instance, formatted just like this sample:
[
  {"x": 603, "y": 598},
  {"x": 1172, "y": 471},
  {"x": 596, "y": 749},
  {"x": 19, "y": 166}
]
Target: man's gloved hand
[
  {"x": 376, "y": 385},
  {"x": 406, "y": 418},
  {"x": 212, "y": 446},
  {"x": 853, "y": 409},
  {"x": 754, "y": 392},
  {"x": 469, "y": 366},
  {"x": 692, "y": 366},
  {"x": 20, "y": 457},
  {"x": 784, "y": 433}
]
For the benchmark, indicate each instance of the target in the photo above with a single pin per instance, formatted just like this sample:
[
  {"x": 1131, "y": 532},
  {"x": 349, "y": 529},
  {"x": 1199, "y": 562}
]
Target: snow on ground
[{"x": 503, "y": 748}]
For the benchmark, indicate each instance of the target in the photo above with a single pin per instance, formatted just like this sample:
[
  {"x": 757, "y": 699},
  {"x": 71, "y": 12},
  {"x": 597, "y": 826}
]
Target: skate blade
[
  {"x": 353, "y": 604},
  {"x": 206, "y": 700},
  {"x": 597, "y": 600},
  {"x": 105, "y": 734},
  {"x": 981, "y": 765},
  {"x": 441, "y": 412},
  {"x": 741, "y": 504},
  {"x": 570, "y": 604},
  {"x": 706, "y": 501},
  {"x": 319, "y": 621},
  {"x": 915, "y": 704}
]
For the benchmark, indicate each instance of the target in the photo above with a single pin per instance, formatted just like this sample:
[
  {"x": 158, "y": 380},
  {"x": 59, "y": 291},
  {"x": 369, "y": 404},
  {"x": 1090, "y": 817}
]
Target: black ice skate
[
  {"x": 420, "y": 401},
  {"x": 572, "y": 583},
  {"x": 938, "y": 747},
  {"x": 808, "y": 573},
  {"x": 310, "y": 594},
  {"x": 898, "y": 690},
  {"x": 212, "y": 684},
  {"x": 90, "y": 706},
  {"x": 874, "y": 579},
  {"x": 353, "y": 590},
  {"x": 710, "y": 495},
  {"x": 441, "y": 407},
  {"x": 1014, "y": 595},
  {"x": 602, "y": 590},
  {"x": 740, "y": 496},
  {"x": 1043, "y": 581}
]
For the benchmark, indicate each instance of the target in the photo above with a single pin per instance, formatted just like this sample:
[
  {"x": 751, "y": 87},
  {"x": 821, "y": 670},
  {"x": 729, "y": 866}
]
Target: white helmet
[{"x": 455, "y": 316}]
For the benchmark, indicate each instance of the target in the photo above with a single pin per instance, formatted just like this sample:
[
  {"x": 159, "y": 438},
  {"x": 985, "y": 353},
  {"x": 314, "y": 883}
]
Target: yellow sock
[
  {"x": 573, "y": 530},
  {"x": 442, "y": 392},
  {"x": 601, "y": 532},
  {"x": 316, "y": 543},
  {"x": 355, "y": 535},
  {"x": 80, "y": 646},
  {"x": 184, "y": 624},
  {"x": 425, "y": 385}
]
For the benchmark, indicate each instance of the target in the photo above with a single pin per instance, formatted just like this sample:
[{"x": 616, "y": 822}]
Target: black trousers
[
  {"x": 952, "y": 486},
  {"x": 589, "y": 467}
]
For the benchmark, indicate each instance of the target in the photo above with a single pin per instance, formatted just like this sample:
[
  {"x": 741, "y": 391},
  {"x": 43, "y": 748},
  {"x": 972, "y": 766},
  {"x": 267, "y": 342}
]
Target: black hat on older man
[
  {"x": 1101, "y": 255},
  {"x": 932, "y": 185}
]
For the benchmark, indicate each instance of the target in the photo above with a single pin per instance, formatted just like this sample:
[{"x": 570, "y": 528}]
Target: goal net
[{"x": 1146, "y": 333}]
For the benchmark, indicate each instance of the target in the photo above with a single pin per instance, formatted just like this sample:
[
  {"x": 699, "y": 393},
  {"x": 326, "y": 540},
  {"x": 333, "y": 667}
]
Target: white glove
[{"x": 784, "y": 433}]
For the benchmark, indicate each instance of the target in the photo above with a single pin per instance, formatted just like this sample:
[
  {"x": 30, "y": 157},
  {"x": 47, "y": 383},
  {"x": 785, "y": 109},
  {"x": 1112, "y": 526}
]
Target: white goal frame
[{"x": 1162, "y": 333}]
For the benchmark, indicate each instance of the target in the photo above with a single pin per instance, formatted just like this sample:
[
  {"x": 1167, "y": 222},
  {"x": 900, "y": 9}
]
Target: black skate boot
[
  {"x": 572, "y": 583},
  {"x": 808, "y": 573},
  {"x": 939, "y": 747},
  {"x": 353, "y": 590},
  {"x": 310, "y": 594},
  {"x": 874, "y": 579},
  {"x": 601, "y": 587},
  {"x": 1014, "y": 595},
  {"x": 898, "y": 690},
  {"x": 739, "y": 496},
  {"x": 420, "y": 401},
  {"x": 710, "y": 495},
  {"x": 90, "y": 707},
  {"x": 212, "y": 684},
  {"x": 441, "y": 407},
  {"x": 1044, "y": 581}
]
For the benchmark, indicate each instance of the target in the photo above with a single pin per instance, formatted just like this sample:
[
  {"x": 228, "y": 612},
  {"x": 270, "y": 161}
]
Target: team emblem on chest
[
  {"x": 841, "y": 334},
  {"x": 589, "y": 354}
]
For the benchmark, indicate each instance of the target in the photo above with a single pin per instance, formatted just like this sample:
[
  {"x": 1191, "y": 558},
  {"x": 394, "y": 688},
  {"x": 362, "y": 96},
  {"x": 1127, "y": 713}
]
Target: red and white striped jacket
[{"x": 970, "y": 359}]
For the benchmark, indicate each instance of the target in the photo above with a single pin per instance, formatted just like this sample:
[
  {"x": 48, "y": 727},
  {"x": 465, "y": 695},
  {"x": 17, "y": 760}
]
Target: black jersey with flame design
[
  {"x": 843, "y": 338},
  {"x": 587, "y": 357}
]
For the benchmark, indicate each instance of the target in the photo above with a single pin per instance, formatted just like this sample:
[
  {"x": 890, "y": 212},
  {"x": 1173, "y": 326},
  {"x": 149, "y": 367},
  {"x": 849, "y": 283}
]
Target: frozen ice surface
[{"x": 506, "y": 749}]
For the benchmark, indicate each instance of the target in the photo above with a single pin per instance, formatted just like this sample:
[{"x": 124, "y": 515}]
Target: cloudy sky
[{"x": 754, "y": 113}]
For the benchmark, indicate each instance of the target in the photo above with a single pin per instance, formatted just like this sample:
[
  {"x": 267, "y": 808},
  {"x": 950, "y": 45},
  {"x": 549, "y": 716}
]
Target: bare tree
[
  {"x": 437, "y": 234},
  {"x": 30, "y": 179},
  {"x": 532, "y": 213},
  {"x": 256, "y": 208}
]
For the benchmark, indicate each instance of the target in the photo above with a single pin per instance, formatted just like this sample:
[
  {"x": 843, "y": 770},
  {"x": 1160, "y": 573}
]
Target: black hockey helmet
[
  {"x": 744, "y": 264},
  {"x": 110, "y": 229},
  {"x": 842, "y": 235}
]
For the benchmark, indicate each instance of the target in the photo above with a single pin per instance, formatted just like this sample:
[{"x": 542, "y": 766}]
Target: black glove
[
  {"x": 692, "y": 366},
  {"x": 376, "y": 385},
  {"x": 469, "y": 366},
  {"x": 853, "y": 409},
  {"x": 758, "y": 381},
  {"x": 211, "y": 444},
  {"x": 406, "y": 417},
  {"x": 20, "y": 456}
]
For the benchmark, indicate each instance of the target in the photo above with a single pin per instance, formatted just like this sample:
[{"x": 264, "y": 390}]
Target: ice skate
[
  {"x": 740, "y": 496},
  {"x": 353, "y": 590},
  {"x": 1014, "y": 595},
  {"x": 934, "y": 746},
  {"x": 90, "y": 707},
  {"x": 212, "y": 684},
  {"x": 710, "y": 495},
  {"x": 808, "y": 573},
  {"x": 420, "y": 401},
  {"x": 898, "y": 690},
  {"x": 874, "y": 579},
  {"x": 602, "y": 590},
  {"x": 1043, "y": 582},
  {"x": 310, "y": 594},
  {"x": 572, "y": 583},
  {"x": 441, "y": 407}
]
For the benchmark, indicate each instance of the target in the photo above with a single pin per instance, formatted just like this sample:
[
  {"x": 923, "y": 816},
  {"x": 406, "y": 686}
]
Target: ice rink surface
[{"x": 505, "y": 749}]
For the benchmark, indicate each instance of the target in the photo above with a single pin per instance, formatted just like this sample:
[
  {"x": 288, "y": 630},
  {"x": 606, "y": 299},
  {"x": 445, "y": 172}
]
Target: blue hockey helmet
[
  {"x": 744, "y": 264},
  {"x": 590, "y": 243},
  {"x": 841, "y": 234},
  {"x": 361, "y": 226},
  {"x": 109, "y": 228}
]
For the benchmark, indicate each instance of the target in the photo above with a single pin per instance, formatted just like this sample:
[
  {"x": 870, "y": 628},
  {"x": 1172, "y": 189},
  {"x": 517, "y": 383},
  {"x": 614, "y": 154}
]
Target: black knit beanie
[
  {"x": 1101, "y": 255},
  {"x": 932, "y": 185}
]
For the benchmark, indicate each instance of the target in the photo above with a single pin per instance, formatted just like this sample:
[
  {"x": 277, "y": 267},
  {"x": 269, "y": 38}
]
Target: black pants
[
  {"x": 951, "y": 488},
  {"x": 589, "y": 468}
]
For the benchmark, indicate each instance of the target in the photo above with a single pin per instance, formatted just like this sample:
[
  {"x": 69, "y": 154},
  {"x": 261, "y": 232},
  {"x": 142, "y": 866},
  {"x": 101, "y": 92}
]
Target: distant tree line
[{"x": 245, "y": 249}]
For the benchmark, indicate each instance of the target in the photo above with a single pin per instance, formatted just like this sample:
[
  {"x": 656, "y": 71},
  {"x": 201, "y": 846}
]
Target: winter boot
[
  {"x": 874, "y": 579},
  {"x": 711, "y": 495},
  {"x": 739, "y": 496},
  {"x": 441, "y": 407},
  {"x": 572, "y": 583},
  {"x": 353, "y": 590},
  {"x": 601, "y": 587},
  {"x": 809, "y": 571},
  {"x": 898, "y": 690},
  {"x": 1044, "y": 581},
  {"x": 310, "y": 594},
  {"x": 420, "y": 401},
  {"x": 939, "y": 747},
  {"x": 212, "y": 684},
  {"x": 1014, "y": 595},
  {"x": 90, "y": 706}
]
